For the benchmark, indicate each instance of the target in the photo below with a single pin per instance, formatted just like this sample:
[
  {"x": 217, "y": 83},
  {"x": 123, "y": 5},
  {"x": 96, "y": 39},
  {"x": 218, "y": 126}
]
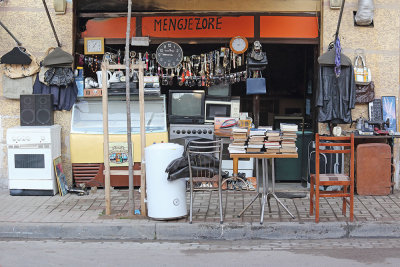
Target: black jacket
[{"x": 335, "y": 96}]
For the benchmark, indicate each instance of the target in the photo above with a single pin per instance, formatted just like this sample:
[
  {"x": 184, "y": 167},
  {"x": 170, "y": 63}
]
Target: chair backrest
[
  {"x": 327, "y": 145},
  {"x": 204, "y": 158}
]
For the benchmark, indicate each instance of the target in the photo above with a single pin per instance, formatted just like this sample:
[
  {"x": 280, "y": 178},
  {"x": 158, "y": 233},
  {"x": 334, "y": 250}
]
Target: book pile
[
  {"x": 272, "y": 144},
  {"x": 289, "y": 137},
  {"x": 239, "y": 141},
  {"x": 256, "y": 140}
]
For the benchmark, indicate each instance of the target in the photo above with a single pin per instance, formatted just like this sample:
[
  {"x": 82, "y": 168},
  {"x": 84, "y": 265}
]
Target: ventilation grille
[{"x": 88, "y": 173}]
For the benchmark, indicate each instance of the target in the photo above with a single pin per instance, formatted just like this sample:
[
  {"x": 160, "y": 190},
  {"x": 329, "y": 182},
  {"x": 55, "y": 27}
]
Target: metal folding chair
[{"x": 205, "y": 160}]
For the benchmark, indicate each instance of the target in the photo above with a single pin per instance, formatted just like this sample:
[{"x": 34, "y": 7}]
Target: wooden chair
[
  {"x": 328, "y": 179},
  {"x": 205, "y": 162}
]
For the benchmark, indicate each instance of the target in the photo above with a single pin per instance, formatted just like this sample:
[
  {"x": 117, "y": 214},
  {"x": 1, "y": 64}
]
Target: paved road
[{"x": 334, "y": 252}]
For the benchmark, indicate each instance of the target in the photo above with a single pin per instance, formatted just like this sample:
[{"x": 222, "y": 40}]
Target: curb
[{"x": 198, "y": 231}]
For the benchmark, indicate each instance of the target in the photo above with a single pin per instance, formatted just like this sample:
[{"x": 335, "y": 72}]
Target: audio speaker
[
  {"x": 27, "y": 110},
  {"x": 44, "y": 110},
  {"x": 36, "y": 110}
]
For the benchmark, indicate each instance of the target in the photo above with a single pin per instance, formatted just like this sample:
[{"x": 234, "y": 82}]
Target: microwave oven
[{"x": 220, "y": 108}]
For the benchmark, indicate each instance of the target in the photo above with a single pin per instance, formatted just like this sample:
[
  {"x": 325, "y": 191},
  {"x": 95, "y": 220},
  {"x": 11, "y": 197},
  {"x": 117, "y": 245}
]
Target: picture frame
[
  {"x": 118, "y": 154},
  {"x": 60, "y": 176},
  {"x": 389, "y": 112}
]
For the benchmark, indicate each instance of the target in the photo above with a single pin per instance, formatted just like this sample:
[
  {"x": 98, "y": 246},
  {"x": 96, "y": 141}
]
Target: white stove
[{"x": 31, "y": 151}]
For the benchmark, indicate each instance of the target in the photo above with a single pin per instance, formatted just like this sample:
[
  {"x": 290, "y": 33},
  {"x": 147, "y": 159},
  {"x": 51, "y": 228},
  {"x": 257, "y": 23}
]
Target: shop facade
[{"x": 293, "y": 33}]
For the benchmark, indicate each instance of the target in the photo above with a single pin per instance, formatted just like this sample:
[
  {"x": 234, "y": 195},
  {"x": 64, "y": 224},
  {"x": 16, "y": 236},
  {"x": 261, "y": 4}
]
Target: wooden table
[{"x": 266, "y": 194}]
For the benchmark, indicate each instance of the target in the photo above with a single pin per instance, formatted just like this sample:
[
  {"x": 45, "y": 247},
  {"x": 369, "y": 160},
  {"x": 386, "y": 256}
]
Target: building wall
[
  {"x": 28, "y": 22},
  {"x": 381, "y": 45}
]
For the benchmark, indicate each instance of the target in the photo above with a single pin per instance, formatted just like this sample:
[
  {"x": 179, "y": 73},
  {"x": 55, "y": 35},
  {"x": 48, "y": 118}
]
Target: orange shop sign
[{"x": 198, "y": 26}]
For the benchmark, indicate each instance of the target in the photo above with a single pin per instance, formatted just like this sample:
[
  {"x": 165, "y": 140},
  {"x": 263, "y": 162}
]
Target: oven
[{"x": 31, "y": 151}]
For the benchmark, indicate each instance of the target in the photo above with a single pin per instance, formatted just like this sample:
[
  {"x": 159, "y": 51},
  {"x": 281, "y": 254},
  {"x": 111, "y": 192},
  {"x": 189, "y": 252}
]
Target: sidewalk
[{"x": 81, "y": 217}]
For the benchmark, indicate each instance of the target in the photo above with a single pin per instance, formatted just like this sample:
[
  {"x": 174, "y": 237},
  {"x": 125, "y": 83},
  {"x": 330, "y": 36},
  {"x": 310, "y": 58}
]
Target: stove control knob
[
  {"x": 199, "y": 131},
  {"x": 204, "y": 131},
  {"x": 183, "y": 131},
  {"x": 28, "y": 138},
  {"x": 209, "y": 131},
  {"x": 188, "y": 131},
  {"x": 178, "y": 131}
]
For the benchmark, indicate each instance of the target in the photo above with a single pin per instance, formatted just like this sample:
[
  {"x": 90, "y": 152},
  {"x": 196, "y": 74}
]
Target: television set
[
  {"x": 219, "y": 91},
  {"x": 186, "y": 106},
  {"x": 220, "y": 108}
]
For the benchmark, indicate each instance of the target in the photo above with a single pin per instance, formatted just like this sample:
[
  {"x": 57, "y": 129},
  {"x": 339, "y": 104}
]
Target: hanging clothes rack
[
  {"x": 51, "y": 23},
  {"x": 8, "y": 31}
]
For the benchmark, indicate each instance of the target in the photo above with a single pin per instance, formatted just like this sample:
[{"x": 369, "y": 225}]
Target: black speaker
[
  {"x": 27, "y": 110},
  {"x": 36, "y": 110},
  {"x": 44, "y": 110}
]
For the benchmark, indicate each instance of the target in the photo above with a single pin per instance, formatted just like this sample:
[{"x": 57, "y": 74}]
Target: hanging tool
[
  {"x": 15, "y": 39},
  {"x": 51, "y": 23}
]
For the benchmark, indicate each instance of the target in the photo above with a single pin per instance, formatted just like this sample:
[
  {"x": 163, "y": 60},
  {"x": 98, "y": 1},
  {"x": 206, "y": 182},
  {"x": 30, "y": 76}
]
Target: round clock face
[
  {"x": 239, "y": 45},
  {"x": 169, "y": 55}
]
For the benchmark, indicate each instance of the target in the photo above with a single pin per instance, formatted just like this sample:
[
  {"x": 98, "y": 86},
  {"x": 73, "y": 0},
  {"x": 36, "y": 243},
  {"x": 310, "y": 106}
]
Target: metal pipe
[
  {"x": 51, "y": 22},
  {"x": 339, "y": 20},
  {"x": 15, "y": 39}
]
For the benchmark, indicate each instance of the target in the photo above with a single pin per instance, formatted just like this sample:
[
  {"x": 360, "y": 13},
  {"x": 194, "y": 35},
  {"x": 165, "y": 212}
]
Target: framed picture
[
  {"x": 389, "y": 111},
  {"x": 118, "y": 154},
  {"x": 61, "y": 180}
]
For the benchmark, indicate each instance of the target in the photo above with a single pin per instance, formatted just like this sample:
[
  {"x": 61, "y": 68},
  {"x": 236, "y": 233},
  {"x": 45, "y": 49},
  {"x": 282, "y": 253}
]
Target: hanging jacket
[
  {"x": 336, "y": 97},
  {"x": 64, "y": 97}
]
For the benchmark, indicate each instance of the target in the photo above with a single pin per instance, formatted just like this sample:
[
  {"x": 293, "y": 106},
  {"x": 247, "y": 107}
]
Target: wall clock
[
  {"x": 239, "y": 44},
  {"x": 94, "y": 45},
  {"x": 169, "y": 55}
]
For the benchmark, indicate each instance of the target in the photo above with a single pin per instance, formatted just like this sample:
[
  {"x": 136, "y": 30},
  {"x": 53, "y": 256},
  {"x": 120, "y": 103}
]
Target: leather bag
[
  {"x": 253, "y": 64},
  {"x": 255, "y": 86},
  {"x": 365, "y": 93},
  {"x": 362, "y": 73},
  {"x": 13, "y": 88}
]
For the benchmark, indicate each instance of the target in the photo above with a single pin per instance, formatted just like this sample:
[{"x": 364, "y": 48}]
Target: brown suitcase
[{"x": 373, "y": 176}]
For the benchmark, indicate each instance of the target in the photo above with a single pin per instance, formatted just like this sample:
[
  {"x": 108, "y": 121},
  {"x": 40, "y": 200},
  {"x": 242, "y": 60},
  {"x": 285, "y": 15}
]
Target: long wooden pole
[
  {"x": 142, "y": 141},
  {"x": 104, "y": 68},
  {"x": 131, "y": 199}
]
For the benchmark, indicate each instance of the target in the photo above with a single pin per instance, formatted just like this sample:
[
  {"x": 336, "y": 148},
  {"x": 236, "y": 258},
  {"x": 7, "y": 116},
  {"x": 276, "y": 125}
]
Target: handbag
[
  {"x": 362, "y": 74},
  {"x": 255, "y": 86},
  {"x": 365, "y": 93},
  {"x": 254, "y": 64},
  {"x": 19, "y": 71},
  {"x": 13, "y": 88},
  {"x": 58, "y": 58}
]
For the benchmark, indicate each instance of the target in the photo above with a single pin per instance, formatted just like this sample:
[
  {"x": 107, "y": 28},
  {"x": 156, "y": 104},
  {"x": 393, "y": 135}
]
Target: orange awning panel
[
  {"x": 108, "y": 28},
  {"x": 198, "y": 26},
  {"x": 288, "y": 27}
]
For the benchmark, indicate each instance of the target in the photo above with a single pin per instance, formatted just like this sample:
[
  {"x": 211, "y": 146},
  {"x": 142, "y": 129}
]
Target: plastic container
[{"x": 165, "y": 199}]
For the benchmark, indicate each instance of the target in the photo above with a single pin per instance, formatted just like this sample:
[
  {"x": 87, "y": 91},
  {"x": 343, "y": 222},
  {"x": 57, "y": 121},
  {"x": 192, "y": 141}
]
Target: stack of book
[
  {"x": 256, "y": 140},
  {"x": 272, "y": 144},
  {"x": 289, "y": 138},
  {"x": 238, "y": 144}
]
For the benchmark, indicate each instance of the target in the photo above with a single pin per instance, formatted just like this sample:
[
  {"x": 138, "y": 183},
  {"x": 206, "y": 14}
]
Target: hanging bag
[
  {"x": 58, "y": 58},
  {"x": 365, "y": 93},
  {"x": 13, "y": 88},
  {"x": 256, "y": 86},
  {"x": 362, "y": 74}
]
